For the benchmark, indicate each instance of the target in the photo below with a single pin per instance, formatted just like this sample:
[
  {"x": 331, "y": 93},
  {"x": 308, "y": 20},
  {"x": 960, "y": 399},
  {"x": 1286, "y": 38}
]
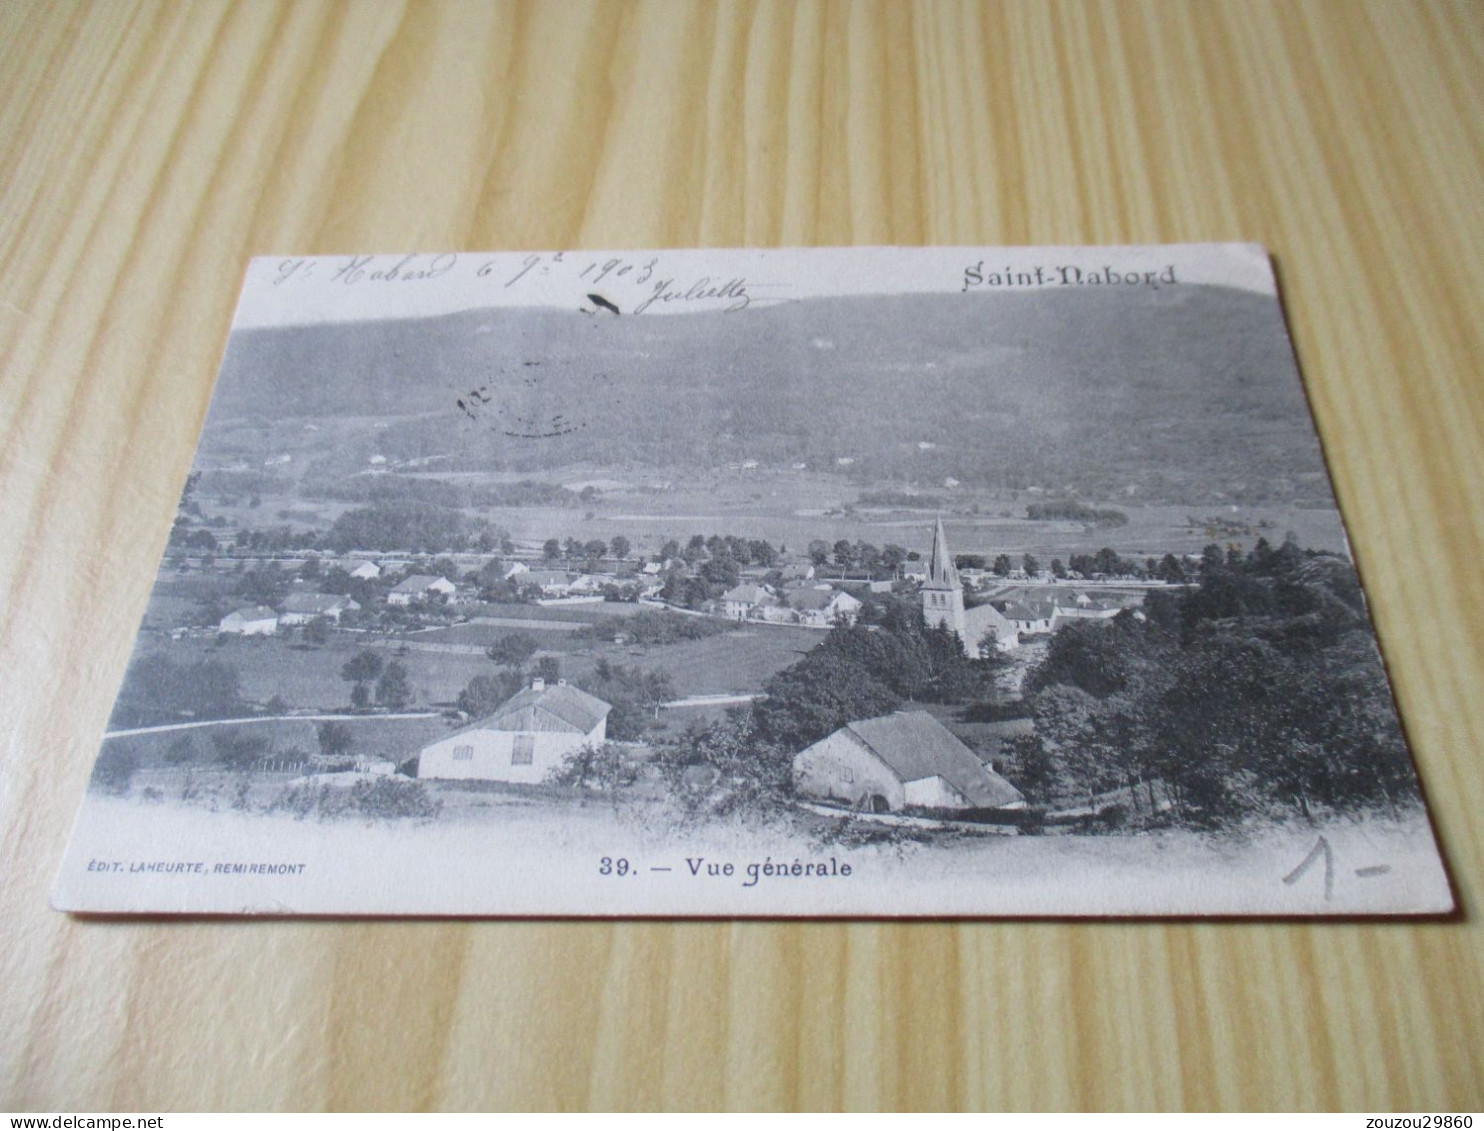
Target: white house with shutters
[{"x": 526, "y": 740}]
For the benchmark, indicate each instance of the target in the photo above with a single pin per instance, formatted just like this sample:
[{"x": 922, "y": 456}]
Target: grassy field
[
  {"x": 309, "y": 677},
  {"x": 371, "y": 737},
  {"x": 733, "y": 662}
]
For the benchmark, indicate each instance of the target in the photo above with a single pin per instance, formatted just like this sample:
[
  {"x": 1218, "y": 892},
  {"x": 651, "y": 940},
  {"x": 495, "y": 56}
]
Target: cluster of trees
[
  {"x": 1105, "y": 563},
  {"x": 419, "y": 527},
  {"x": 367, "y": 670},
  {"x": 636, "y": 694},
  {"x": 743, "y": 551},
  {"x": 1257, "y": 690},
  {"x": 877, "y": 561},
  {"x": 888, "y": 498},
  {"x": 590, "y": 553},
  {"x": 863, "y": 670},
  {"x": 1070, "y": 510}
]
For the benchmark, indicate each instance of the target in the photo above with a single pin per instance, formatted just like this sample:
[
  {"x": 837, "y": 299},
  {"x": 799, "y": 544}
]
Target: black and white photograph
[{"x": 870, "y": 582}]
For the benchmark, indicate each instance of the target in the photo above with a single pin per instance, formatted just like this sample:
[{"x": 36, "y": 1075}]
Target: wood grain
[{"x": 148, "y": 149}]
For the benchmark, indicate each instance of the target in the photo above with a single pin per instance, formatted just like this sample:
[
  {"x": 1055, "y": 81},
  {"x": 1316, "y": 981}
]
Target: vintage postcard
[{"x": 839, "y": 582}]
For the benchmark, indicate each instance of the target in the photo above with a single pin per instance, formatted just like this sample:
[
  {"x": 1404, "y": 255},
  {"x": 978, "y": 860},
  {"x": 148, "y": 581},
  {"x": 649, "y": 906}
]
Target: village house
[
  {"x": 824, "y": 607},
  {"x": 254, "y": 620},
  {"x": 589, "y": 584},
  {"x": 551, "y": 582},
  {"x": 739, "y": 602},
  {"x": 301, "y": 608},
  {"x": 1029, "y": 616},
  {"x": 1044, "y": 608},
  {"x": 906, "y": 760},
  {"x": 419, "y": 587},
  {"x": 526, "y": 740},
  {"x": 514, "y": 569},
  {"x": 1079, "y": 606},
  {"x": 360, "y": 569}
]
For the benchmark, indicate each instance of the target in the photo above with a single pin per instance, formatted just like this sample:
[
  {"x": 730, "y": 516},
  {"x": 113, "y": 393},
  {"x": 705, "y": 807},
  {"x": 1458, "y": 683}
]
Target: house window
[
  {"x": 847, "y": 775},
  {"x": 523, "y": 753},
  {"x": 463, "y": 753}
]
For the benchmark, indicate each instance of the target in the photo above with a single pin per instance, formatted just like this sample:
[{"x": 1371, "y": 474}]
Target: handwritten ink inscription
[{"x": 629, "y": 285}]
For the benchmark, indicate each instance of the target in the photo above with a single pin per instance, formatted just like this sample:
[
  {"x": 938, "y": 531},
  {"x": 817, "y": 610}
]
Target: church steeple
[
  {"x": 941, "y": 571},
  {"x": 942, "y": 592}
]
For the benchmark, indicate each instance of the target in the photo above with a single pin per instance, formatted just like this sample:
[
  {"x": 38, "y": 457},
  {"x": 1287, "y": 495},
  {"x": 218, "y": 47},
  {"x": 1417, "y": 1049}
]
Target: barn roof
[
  {"x": 748, "y": 594},
  {"x": 915, "y": 746},
  {"x": 812, "y": 599},
  {"x": 253, "y": 612},
  {"x": 417, "y": 583},
  {"x": 560, "y": 708},
  {"x": 314, "y": 602}
]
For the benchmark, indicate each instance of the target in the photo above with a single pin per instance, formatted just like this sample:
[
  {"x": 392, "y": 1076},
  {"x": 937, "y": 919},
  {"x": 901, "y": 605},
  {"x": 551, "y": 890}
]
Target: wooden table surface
[{"x": 147, "y": 150}]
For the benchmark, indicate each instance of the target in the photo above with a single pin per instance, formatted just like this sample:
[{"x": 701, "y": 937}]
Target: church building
[{"x": 943, "y": 603}]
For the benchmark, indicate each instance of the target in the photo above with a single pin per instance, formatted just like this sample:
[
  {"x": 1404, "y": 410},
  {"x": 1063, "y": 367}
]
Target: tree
[
  {"x": 483, "y": 695},
  {"x": 817, "y": 696},
  {"x": 237, "y": 749},
  {"x": 317, "y": 631},
  {"x": 741, "y": 769},
  {"x": 1171, "y": 570},
  {"x": 512, "y": 651},
  {"x": 1030, "y": 565},
  {"x": 549, "y": 668},
  {"x": 603, "y": 768},
  {"x": 620, "y": 546},
  {"x": 819, "y": 552},
  {"x": 671, "y": 549},
  {"x": 334, "y": 739},
  {"x": 1058, "y": 570},
  {"x": 1002, "y": 565},
  {"x": 363, "y": 667},
  {"x": 551, "y": 549},
  {"x": 393, "y": 689},
  {"x": 844, "y": 555},
  {"x": 892, "y": 557},
  {"x": 360, "y": 670},
  {"x": 721, "y": 571}
]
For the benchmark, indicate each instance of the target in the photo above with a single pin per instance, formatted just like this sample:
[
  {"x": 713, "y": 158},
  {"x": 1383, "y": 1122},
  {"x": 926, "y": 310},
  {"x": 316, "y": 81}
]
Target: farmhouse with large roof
[
  {"x": 524, "y": 741},
  {"x": 903, "y": 760}
]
